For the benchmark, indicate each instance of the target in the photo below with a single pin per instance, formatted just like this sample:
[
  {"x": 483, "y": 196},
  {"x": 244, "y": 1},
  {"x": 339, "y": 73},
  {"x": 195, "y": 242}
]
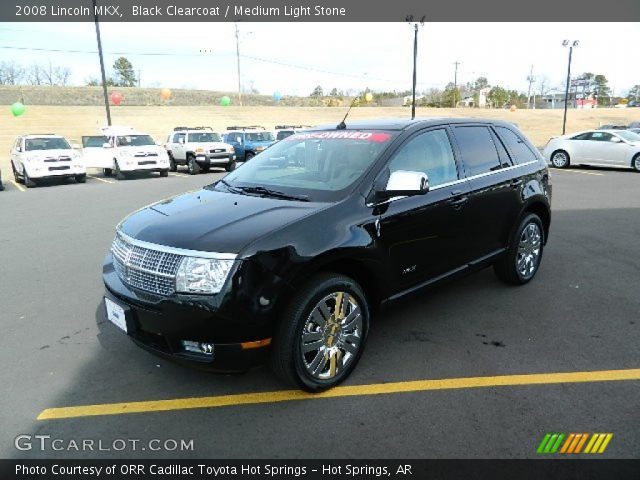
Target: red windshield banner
[{"x": 377, "y": 137}]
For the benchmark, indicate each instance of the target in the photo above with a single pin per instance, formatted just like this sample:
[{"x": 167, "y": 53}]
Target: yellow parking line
[
  {"x": 178, "y": 174},
  {"x": 18, "y": 186},
  {"x": 101, "y": 179},
  {"x": 345, "y": 391},
  {"x": 577, "y": 171}
]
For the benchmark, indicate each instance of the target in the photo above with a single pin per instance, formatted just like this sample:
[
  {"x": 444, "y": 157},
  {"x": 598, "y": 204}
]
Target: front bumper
[
  {"x": 160, "y": 324},
  {"x": 207, "y": 159},
  {"x": 52, "y": 170},
  {"x": 143, "y": 165}
]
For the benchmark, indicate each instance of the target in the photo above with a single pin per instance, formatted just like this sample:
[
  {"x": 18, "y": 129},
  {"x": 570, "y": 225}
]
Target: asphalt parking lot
[{"x": 580, "y": 314}]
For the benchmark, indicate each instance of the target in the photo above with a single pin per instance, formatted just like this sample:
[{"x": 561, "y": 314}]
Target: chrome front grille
[{"x": 144, "y": 268}]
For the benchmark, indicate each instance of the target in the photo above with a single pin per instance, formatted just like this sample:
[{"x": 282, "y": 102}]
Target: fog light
[{"x": 197, "y": 347}]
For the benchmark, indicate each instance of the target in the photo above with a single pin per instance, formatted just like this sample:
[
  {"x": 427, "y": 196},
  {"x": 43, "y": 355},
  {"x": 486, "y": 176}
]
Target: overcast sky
[{"x": 298, "y": 56}]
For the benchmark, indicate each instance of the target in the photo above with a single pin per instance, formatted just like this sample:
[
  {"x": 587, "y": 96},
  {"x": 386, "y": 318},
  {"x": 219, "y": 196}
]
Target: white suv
[
  {"x": 34, "y": 157},
  {"x": 199, "y": 148},
  {"x": 123, "y": 150}
]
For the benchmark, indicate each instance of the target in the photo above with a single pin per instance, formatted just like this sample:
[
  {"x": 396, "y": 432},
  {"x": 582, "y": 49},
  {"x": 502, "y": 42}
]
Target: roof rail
[
  {"x": 177, "y": 129},
  {"x": 246, "y": 127},
  {"x": 282, "y": 127}
]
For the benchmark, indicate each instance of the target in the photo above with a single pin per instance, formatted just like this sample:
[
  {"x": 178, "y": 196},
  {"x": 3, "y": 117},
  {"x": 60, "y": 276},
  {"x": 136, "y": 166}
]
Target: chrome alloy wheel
[
  {"x": 559, "y": 160},
  {"x": 529, "y": 250},
  {"x": 331, "y": 336}
]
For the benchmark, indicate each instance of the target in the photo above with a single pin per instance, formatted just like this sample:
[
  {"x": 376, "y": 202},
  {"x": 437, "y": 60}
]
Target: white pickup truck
[
  {"x": 199, "y": 148},
  {"x": 120, "y": 151}
]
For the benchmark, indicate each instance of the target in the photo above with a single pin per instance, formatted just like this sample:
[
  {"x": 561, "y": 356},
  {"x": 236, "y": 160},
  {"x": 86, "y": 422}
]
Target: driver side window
[{"x": 429, "y": 152}]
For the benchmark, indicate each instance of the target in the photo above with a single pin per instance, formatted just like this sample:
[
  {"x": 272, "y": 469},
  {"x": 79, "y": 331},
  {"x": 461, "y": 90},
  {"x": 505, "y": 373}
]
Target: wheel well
[
  {"x": 353, "y": 269},
  {"x": 561, "y": 150},
  {"x": 541, "y": 210}
]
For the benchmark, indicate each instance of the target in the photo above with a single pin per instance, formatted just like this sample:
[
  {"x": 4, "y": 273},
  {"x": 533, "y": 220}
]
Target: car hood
[
  {"x": 63, "y": 152},
  {"x": 260, "y": 143},
  {"x": 213, "y": 221},
  {"x": 209, "y": 145}
]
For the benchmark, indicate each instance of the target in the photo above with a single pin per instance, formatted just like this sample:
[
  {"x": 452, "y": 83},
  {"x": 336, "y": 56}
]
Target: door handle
[{"x": 516, "y": 182}]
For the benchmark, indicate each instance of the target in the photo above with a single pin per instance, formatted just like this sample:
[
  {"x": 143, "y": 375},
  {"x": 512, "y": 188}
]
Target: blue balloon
[{"x": 277, "y": 96}]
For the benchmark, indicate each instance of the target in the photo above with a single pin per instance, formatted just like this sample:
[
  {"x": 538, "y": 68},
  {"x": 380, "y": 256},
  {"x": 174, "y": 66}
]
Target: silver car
[{"x": 608, "y": 148}]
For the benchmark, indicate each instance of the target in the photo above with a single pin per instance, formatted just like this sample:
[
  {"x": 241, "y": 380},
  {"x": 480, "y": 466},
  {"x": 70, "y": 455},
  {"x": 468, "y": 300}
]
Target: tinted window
[
  {"x": 428, "y": 152},
  {"x": 97, "y": 141},
  {"x": 260, "y": 137},
  {"x": 478, "y": 150},
  {"x": 135, "y": 140},
  {"x": 46, "y": 143},
  {"x": 600, "y": 137},
  {"x": 520, "y": 150},
  {"x": 201, "y": 137},
  {"x": 582, "y": 136}
]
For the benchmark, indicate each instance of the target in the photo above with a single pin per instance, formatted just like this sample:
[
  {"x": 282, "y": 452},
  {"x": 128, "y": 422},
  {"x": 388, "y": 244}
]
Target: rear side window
[
  {"x": 429, "y": 152},
  {"x": 520, "y": 151},
  {"x": 582, "y": 136},
  {"x": 478, "y": 150}
]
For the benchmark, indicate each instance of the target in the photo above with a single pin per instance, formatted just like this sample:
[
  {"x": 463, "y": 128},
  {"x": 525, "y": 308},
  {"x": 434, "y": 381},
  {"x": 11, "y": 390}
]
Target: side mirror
[
  {"x": 405, "y": 183},
  {"x": 106, "y": 145},
  {"x": 616, "y": 139},
  {"x": 181, "y": 140},
  {"x": 75, "y": 146},
  {"x": 239, "y": 140}
]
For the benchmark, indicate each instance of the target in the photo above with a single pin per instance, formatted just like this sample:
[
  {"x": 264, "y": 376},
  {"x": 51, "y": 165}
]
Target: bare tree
[
  {"x": 34, "y": 75},
  {"x": 52, "y": 75},
  {"x": 11, "y": 73},
  {"x": 543, "y": 85}
]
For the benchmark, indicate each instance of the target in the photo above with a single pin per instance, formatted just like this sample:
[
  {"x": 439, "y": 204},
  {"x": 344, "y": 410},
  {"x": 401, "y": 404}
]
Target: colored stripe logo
[{"x": 569, "y": 443}]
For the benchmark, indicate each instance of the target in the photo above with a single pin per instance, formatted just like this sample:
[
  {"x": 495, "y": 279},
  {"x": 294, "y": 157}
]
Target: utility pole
[
  {"x": 566, "y": 43},
  {"x": 409, "y": 19},
  {"x": 104, "y": 75},
  {"x": 238, "y": 59},
  {"x": 455, "y": 84},
  {"x": 531, "y": 79}
]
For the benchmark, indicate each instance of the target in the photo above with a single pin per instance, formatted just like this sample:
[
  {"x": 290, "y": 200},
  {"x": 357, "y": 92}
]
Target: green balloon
[
  {"x": 225, "y": 101},
  {"x": 18, "y": 109}
]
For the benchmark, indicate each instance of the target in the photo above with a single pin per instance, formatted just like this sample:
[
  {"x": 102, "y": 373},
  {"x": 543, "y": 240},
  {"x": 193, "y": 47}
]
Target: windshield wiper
[{"x": 273, "y": 193}]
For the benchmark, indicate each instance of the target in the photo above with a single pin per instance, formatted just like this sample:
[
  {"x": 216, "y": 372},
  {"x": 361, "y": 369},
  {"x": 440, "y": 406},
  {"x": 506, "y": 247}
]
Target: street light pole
[
  {"x": 571, "y": 45},
  {"x": 415, "y": 62},
  {"x": 104, "y": 75},
  {"x": 455, "y": 84},
  {"x": 238, "y": 59}
]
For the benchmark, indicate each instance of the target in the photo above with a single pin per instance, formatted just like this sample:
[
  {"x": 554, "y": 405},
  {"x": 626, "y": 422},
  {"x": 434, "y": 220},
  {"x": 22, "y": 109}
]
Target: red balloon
[{"x": 117, "y": 98}]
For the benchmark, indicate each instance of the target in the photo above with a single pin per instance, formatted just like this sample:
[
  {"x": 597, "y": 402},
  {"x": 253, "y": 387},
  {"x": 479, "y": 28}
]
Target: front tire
[
  {"x": 16, "y": 177},
  {"x": 172, "y": 163},
  {"x": 321, "y": 334},
  {"x": 107, "y": 172},
  {"x": 522, "y": 260},
  {"x": 82, "y": 178},
  {"x": 230, "y": 167},
  {"x": 560, "y": 159},
  {"x": 120, "y": 175},
  {"x": 28, "y": 182},
  {"x": 635, "y": 163},
  {"x": 248, "y": 156},
  {"x": 192, "y": 165},
  {"x": 164, "y": 173}
]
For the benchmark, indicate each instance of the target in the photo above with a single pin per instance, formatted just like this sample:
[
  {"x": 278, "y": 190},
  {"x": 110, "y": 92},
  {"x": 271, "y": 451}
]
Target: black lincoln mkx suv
[{"x": 289, "y": 256}]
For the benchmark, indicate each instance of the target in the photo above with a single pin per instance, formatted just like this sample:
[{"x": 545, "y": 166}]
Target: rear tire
[
  {"x": 107, "y": 172},
  {"x": 230, "y": 167},
  {"x": 248, "y": 156},
  {"x": 521, "y": 262},
  {"x": 164, "y": 173},
  {"x": 16, "y": 177},
  {"x": 192, "y": 165},
  {"x": 332, "y": 345},
  {"x": 82, "y": 178},
  {"x": 560, "y": 159},
  {"x": 635, "y": 163}
]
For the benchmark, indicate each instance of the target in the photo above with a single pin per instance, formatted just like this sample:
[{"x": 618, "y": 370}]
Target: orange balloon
[{"x": 165, "y": 94}]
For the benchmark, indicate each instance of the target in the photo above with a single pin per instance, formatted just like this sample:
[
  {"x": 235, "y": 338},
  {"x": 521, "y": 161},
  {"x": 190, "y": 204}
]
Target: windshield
[
  {"x": 135, "y": 141},
  {"x": 319, "y": 165},
  {"x": 50, "y": 143},
  {"x": 204, "y": 137},
  {"x": 260, "y": 137},
  {"x": 282, "y": 134},
  {"x": 88, "y": 142},
  {"x": 628, "y": 136}
]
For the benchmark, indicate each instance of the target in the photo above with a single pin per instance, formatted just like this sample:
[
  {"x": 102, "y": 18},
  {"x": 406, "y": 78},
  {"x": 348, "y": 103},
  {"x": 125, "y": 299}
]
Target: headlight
[
  {"x": 202, "y": 275},
  {"x": 199, "y": 150},
  {"x": 230, "y": 149},
  {"x": 259, "y": 149}
]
